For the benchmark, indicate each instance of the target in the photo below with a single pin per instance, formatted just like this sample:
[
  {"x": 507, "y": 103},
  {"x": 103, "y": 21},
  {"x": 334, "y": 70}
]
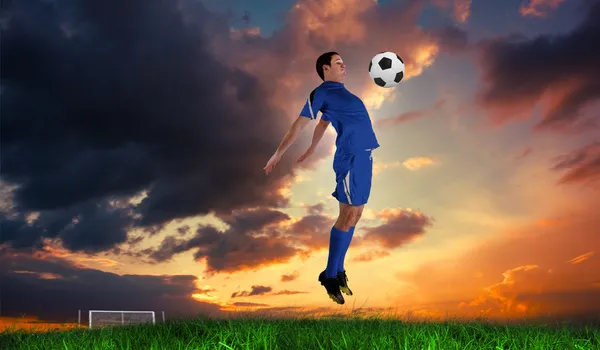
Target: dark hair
[{"x": 324, "y": 59}]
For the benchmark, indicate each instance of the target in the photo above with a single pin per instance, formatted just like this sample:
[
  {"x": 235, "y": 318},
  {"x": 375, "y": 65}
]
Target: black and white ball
[{"x": 386, "y": 69}]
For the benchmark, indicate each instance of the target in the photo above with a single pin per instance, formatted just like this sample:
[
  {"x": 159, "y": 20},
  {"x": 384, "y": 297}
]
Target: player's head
[{"x": 330, "y": 66}]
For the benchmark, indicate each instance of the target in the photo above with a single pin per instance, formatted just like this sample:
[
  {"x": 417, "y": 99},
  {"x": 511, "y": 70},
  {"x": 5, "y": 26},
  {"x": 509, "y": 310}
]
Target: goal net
[{"x": 106, "y": 318}]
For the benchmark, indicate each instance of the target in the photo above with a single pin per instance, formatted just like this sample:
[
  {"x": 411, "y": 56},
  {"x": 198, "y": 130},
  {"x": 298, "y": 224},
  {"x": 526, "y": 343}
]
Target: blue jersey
[{"x": 346, "y": 112}]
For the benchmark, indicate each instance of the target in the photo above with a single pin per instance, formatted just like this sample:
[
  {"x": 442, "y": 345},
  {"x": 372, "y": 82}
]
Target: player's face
[{"x": 338, "y": 68}]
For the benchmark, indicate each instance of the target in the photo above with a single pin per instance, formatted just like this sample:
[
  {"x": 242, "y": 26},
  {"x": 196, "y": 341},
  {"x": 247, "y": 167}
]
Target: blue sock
[
  {"x": 336, "y": 247},
  {"x": 347, "y": 240}
]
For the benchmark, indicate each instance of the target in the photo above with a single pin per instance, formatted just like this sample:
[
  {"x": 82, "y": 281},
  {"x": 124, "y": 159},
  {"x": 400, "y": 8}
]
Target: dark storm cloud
[
  {"x": 249, "y": 242},
  {"x": 255, "y": 290},
  {"x": 102, "y": 102},
  {"x": 54, "y": 289},
  {"x": 88, "y": 227},
  {"x": 520, "y": 71}
]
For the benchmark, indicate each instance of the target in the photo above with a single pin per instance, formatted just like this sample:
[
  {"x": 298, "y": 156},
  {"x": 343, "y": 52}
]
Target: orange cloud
[
  {"x": 539, "y": 8},
  {"x": 462, "y": 10},
  {"x": 374, "y": 96},
  {"x": 413, "y": 163},
  {"x": 540, "y": 272},
  {"x": 417, "y": 163},
  {"x": 357, "y": 29},
  {"x": 581, "y": 258},
  {"x": 291, "y": 277},
  {"x": 378, "y": 167},
  {"x": 289, "y": 292},
  {"x": 503, "y": 295},
  {"x": 371, "y": 255}
]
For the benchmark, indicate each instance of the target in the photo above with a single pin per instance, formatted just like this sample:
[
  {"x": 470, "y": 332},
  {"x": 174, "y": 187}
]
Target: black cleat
[
  {"x": 343, "y": 283},
  {"x": 333, "y": 288}
]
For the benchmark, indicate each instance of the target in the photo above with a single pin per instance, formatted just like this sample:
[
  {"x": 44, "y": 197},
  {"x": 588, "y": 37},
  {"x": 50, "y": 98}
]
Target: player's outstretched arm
[
  {"x": 317, "y": 136},
  {"x": 288, "y": 139}
]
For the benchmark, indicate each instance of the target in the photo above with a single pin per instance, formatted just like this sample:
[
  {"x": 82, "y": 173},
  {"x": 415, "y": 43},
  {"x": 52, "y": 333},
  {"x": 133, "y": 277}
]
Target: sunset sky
[{"x": 133, "y": 139}]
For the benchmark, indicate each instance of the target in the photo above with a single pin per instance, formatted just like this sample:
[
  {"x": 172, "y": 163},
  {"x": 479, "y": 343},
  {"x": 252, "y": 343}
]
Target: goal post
[{"x": 104, "y": 318}]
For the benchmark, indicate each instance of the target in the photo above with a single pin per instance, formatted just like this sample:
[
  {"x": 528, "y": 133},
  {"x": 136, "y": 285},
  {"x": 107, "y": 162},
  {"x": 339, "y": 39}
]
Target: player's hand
[
  {"x": 272, "y": 162},
  {"x": 306, "y": 154}
]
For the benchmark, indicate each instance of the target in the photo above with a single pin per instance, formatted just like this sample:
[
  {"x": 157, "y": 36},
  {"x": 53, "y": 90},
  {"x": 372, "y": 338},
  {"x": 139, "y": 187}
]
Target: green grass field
[{"x": 310, "y": 334}]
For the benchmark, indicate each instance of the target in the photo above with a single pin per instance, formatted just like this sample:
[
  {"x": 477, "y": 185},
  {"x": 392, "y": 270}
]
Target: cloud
[
  {"x": 557, "y": 72},
  {"x": 246, "y": 304},
  {"x": 539, "y": 8},
  {"x": 148, "y": 137},
  {"x": 53, "y": 290},
  {"x": 291, "y": 277},
  {"x": 357, "y": 29},
  {"x": 542, "y": 270},
  {"x": 502, "y": 295},
  {"x": 262, "y": 291},
  {"x": 452, "y": 39},
  {"x": 252, "y": 240},
  {"x": 581, "y": 258},
  {"x": 256, "y": 290},
  {"x": 89, "y": 227},
  {"x": 413, "y": 163},
  {"x": 153, "y": 115},
  {"x": 256, "y": 238},
  {"x": 400, "y": 227},
  {"x": 460, "y": 9},
  {"x": 289, "y": 292},
  {"x": 530, "y": 290},
  {"x": 378, "y": 167},
  {"x": 311, "y": 231},
  {"x": 371, "y": 255},
  {"x": 582, "y": 165},
  {"x": 416, "y": 163}
]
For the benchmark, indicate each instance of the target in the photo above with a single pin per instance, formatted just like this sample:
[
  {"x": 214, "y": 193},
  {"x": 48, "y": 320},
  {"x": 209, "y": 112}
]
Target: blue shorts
[{"x": 353, "y": 174}]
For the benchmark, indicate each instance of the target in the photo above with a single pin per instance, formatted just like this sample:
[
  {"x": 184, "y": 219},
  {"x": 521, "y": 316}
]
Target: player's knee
[{"x": 348, "y": 219}]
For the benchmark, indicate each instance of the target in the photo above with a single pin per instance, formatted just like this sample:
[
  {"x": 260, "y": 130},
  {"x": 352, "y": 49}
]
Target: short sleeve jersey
[{"x": 346, "y": 112}]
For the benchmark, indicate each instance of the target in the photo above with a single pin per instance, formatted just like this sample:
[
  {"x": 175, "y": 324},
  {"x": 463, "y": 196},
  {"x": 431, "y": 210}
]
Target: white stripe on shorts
[{"x": 346, "y": 183}]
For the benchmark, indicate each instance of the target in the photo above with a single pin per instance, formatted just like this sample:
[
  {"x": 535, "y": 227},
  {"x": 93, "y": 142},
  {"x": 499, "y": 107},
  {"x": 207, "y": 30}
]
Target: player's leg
[
  {"x": 346, "y": 222},
  {"x": 360, "y": 190},
  {"x": 354, "y": 218},
  {"x": 342, "y": 165}
]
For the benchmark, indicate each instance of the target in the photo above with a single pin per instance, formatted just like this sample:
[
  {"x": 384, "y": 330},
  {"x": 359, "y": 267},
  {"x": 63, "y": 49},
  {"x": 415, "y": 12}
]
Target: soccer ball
[{"x": 386, "y": 69}]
